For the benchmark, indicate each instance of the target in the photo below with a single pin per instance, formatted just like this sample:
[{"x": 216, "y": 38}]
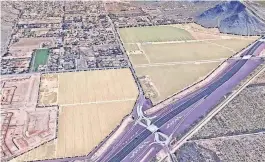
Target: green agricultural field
[
  {"x": 153, "y": 34},
  {"x": 40, "y": 58}
]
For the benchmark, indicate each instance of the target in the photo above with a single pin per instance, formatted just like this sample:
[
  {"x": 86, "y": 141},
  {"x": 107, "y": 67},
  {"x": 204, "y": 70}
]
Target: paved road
[
  {"x": 134, "y": 146},
  {"x": 120, "y": 155}
]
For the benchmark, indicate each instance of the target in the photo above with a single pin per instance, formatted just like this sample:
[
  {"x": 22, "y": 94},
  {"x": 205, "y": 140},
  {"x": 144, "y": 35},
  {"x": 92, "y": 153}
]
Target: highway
[
  {"x": 160, "y": 121},
  {"x": 133, "y": 146}
]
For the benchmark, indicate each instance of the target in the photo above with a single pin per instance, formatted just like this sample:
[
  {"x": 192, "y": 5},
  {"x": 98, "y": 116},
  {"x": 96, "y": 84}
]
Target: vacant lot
[
  {"x": 168, "y": 63},
  {"x": 80, "y": 129},
  {"x": 91, "y": 105},
  {"x": 40, "y": 58},
  {"x": 171, "y": 79},
  {"x": 138, "y": 59},
  {"x": 177, "y": 52},
  {"x": 247, "y": 148},
  {"x": 153, "y": 34},
  {"x": 96, "y": 86},
  {"x": 45, "y": 151},
  {"x": 48, "y": 92},
  {"x": 244, "y": 114},
  {"x": 131, "y": 47},
  {"x": 234, "y": 44},
  {"x": 33, "y": 43}
]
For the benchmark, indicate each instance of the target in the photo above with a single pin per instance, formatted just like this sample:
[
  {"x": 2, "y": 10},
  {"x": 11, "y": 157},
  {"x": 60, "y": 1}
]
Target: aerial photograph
[{"x": 132, "y": 81}]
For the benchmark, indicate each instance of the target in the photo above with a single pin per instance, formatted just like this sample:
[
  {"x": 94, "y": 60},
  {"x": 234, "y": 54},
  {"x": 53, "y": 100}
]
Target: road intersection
[
  {"x": 148, "y": 135},
  {"x": 156, "y": 126}
]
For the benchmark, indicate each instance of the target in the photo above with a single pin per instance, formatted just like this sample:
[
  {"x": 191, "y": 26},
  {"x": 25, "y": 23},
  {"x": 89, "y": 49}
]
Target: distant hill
[{"x": 232, "y": 17}]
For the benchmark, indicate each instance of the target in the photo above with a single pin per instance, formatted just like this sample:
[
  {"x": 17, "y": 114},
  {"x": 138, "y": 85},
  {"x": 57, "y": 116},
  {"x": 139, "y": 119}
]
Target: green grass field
[
  {"x": 41, "y": 58},
  {"x": 153, "y": 34}
]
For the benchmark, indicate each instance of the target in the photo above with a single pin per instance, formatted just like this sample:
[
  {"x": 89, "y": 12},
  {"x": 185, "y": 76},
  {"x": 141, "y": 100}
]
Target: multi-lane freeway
[
  {"x": 161, "y": 120},
  {"x": 137, "y": 141}
]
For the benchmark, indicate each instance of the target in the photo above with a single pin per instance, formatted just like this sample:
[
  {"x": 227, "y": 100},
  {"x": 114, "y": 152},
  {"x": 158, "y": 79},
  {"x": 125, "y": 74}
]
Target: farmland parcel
[
  {"x": 153, "y": 34},
  {"x": 169, "y": 58},
  {"x": 96, "y": 86},
  {"x": 91, "y": 105},
  {"x": 168, "y": 80}
]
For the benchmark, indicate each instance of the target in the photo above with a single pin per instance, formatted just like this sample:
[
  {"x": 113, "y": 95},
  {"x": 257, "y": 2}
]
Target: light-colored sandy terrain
[
  {"x": 234, "y": 44},
  {"x": 259, "y": 79},
  {"x": 15, "y": 53},
  {"x": 138, "y": 59},
  {"x": 92, "y": 104},
  {"x": 44, "y": 151},
  {"x": 199, "y": 32},
  {"x": 19, "y": 91},
  {"x": 171, "y": 79},
  {"x": 96, "y": 86},
  {"x": 48, "y": 92},
  {"x": 49, "y": 20},
  {"x": 32, "y": 43},
  {"x": 23, "y": 125}
]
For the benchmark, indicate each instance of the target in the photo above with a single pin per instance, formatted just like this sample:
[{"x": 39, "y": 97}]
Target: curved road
[{"x": 119, "y": 156}]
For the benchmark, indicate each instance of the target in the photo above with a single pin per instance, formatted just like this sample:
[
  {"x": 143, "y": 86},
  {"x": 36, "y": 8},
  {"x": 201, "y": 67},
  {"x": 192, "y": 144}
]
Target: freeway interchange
[
  {"x": 146, "y": 136},
  {"x": 162, "y": 127}
]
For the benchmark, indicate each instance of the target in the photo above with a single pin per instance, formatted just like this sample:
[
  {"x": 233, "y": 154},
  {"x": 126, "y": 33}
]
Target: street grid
[{"x": 72, "y": 100}]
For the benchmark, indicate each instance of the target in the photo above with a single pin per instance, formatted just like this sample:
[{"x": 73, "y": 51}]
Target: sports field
[
  {"x": 173, "y": 78},
  {"x": 96, "y": 86},
  {"x": 40, "y": 58},
  {"x": 153, "y": 34}
]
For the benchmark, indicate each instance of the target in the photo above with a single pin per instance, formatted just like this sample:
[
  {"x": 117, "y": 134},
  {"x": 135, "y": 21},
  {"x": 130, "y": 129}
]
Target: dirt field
[
  {"x": 91, "y": 105},
  {"x": 131, "y": 47},
  {"x": 153, "y": 34},
  {"x": 48, "y": 92},
  {"x": 168, "y": 58},
  {"x": 88, "y": 125},
  {"x": 18, "y": 91},
  {"x": 32, "y": 43},
  {"x": 24, "y": 126},
  {"x": 96, "y": 86},
  {"x": 45, "y": 151},
  {"x": 138, "y": 59},
  {"x": 198, "y": 32},
  {"x": 81, "y": 128},
  {"x": 177, "y": 52},
  {"x": 171, "y": 79},
  {"x": 234, "y": 44}
]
